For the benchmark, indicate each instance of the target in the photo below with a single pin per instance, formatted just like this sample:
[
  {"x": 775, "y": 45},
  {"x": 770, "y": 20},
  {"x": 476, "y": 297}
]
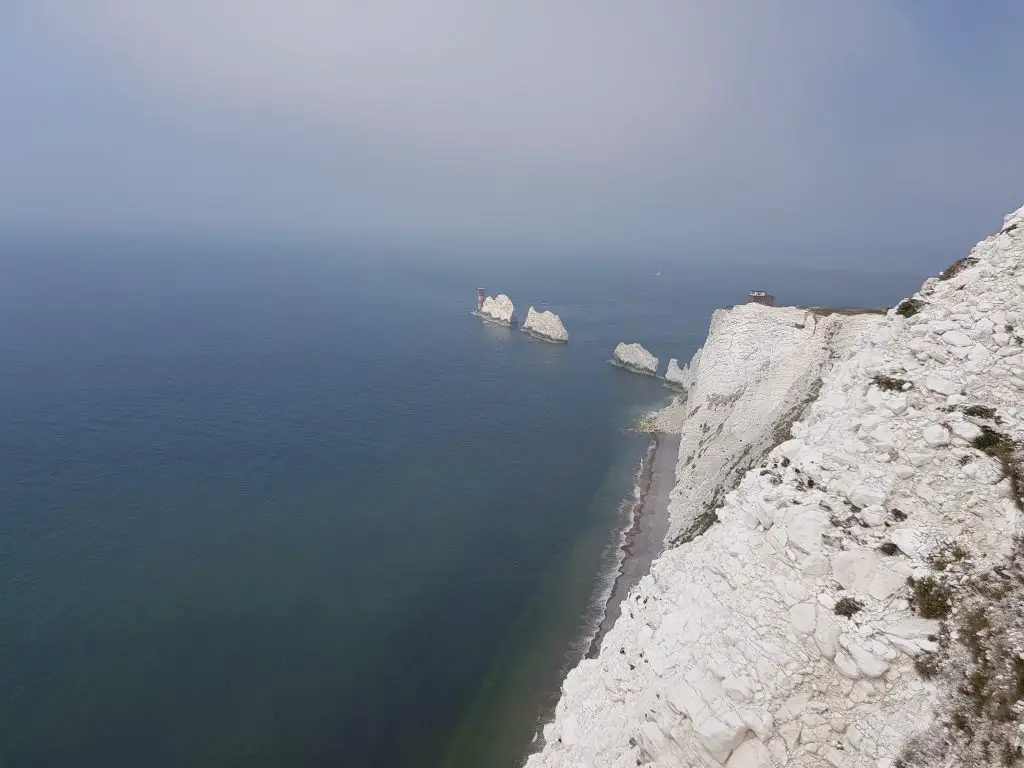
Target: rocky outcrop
[
  {"x": 787, "y": 633},
  {"x": 757, "y": 371},
  {"x": 498, "y": 309},
  {"x": 635, "y": 358},
  {"x": 675, "y": 374},
  {"x": 545, "y": 325},
  {"x": 685, "y": 376}
]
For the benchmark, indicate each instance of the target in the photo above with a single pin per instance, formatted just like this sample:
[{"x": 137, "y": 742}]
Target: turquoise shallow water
[{"x": 271, "y": 508}]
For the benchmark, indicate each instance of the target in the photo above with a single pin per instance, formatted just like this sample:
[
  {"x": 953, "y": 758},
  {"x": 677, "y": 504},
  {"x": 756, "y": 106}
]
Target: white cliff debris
[
  {"x": 545, "y": 325},
  {"x": 635, "y": 358},
  {"x": 855, "y": 599},
  {"x": 498, "y": 309}
]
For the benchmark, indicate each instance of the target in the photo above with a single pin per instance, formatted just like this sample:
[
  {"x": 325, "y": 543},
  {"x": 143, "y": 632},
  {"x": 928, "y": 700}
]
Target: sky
[{"x": 884, "y": 129}]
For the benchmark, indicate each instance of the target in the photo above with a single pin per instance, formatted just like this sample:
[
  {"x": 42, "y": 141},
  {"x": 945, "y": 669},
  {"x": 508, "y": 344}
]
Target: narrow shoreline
[{"x": 644, "y": 540}]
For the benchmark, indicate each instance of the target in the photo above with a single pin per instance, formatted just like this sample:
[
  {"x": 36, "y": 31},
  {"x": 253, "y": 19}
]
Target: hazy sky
[{"x": 582, "y": 123}]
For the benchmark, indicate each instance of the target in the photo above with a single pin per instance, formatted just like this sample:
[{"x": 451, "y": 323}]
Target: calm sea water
[{"x": 274, "y": 508}]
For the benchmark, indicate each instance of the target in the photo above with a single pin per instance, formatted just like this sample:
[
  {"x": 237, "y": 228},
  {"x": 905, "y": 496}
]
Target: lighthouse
[{"x": 480, "y": 294}]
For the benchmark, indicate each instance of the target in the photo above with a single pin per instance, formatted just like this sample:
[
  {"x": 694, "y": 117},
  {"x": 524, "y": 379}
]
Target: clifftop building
[{"x": 760, "y": 297}]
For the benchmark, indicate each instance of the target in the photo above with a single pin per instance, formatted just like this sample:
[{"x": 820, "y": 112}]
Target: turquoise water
[{"x": 278, "y": 508}]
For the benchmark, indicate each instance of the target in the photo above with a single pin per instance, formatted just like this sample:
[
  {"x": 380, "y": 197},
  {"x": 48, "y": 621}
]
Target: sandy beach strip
[{"x": 645, "y": 538}]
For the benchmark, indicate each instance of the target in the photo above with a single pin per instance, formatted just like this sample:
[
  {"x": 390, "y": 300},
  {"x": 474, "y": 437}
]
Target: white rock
[
  {"x": 847, "y": 666},
  {"x": 867, "y": 662},
  {"x": 791, "y": 448},
  {"x": 940, "y": 385},
  {"x": 750, "y": 754},
  {"x": 826, "y": 633},
  {"x": 957, "y": 338},
  {"x": 864, "y": 496},
  {"x": 720, "y": 736},
  {"x": 545, "y": 325},
  {"x": 854, "y": 569},
  {"x": 897, "y": 404},
  {"x": 804, "y": 526},
  {"x": 498, "y": 309},
  {"x": 936, "y": 435},
  {"x": 919, "y": 459},
  {"x": 803, "y": 618},
  {"x": 635, "y": 358},
  {"x": 965, "y": 430},
  {"x": 874, "y": 516},
  {"x": 917, "y": 543}
]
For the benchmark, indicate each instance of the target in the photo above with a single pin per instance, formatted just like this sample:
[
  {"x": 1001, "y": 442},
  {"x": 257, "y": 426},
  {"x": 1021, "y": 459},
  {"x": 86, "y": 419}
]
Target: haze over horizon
[{"x": 872, "y": 134}]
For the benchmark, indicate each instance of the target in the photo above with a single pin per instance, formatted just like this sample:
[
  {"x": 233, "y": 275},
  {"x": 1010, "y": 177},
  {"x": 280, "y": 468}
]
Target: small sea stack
[
  {"x": 546, "y": 326},
  {"x": 675, "y": 374},
  {"x": 635, "y": 358},
  {"x": 498, "y": 309},
  {"x": 683, "y": 377}
]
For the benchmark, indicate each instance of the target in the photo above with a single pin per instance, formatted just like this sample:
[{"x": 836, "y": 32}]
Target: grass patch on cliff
[
  {"x": 980, "y": 412},
  {"x": 909, "y": 307},
  {"x": 957, "y": 267},
  {"x": 889, "y": 383},
  {"x": 949, "y": 556},
  {"x": 1008, "y": 453},
  {"x": 979, "y": 664},
  {"x": 931, "y": 598},
  {"x": 847, "y": 606}
]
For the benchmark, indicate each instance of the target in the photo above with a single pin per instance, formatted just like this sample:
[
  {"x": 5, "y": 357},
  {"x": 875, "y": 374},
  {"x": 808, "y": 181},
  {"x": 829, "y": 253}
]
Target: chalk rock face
[
  {"x": 545, "y": 325},
  {"x": 675, "y": 374},
  {"x": 683, "y": 377},
  {"x": 776, "y": 628},
  {"x": 498, "y": 309},
  {"x": 635, "y": 358}
]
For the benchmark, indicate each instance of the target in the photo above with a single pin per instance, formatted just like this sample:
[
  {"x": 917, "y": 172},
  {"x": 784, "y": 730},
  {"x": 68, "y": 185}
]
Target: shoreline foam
[
  {"x": 644, "y": 538},
  {"x": 640, "y": 541}
]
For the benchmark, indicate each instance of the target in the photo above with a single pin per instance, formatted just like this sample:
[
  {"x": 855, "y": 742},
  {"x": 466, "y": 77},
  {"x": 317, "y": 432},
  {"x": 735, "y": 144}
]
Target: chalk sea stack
[
  {"x": 685, "y": 376},
  {"x": 545, "y": 325},
  {"x": 634, "y": 357},
  {"x": 498, "y": 309}
]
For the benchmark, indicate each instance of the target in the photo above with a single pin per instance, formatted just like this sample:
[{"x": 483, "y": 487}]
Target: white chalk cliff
[
  {"x": 635, "y": 358},
  {"x": 498, "y": 309},
  {"x": 786, "y": 633},
  {"x": 545, "y": 325}
]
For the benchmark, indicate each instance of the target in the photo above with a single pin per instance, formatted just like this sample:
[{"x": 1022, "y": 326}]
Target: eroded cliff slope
[{"x": 837, "y": 613}]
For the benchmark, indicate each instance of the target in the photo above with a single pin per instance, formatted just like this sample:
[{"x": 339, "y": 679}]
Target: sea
[{"x": 296, "y": 506}]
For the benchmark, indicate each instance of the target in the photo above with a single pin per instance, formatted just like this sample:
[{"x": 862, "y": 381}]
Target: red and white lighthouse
[{"x": 480, "y": 295}]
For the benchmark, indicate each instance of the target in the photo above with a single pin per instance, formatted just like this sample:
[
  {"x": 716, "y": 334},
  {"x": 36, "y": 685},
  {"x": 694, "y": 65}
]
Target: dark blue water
[{"x": 264, "y": 507}]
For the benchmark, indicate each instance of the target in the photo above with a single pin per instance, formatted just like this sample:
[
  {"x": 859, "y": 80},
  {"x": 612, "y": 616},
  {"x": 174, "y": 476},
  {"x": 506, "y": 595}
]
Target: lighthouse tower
[{"x": 480, "y": 294}]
